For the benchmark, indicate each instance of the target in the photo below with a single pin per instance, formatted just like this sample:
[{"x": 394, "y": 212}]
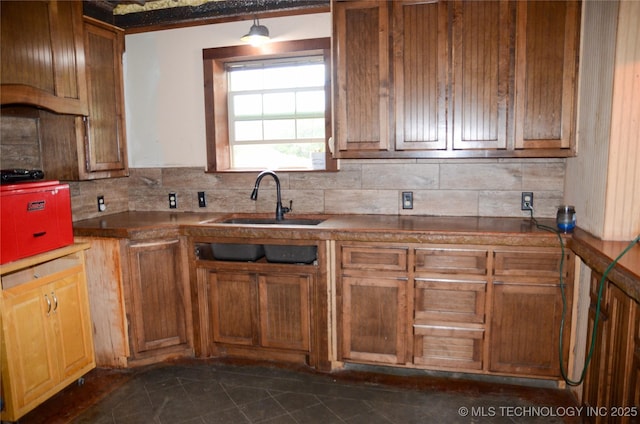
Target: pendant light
[{"x": 258, "y": 34}]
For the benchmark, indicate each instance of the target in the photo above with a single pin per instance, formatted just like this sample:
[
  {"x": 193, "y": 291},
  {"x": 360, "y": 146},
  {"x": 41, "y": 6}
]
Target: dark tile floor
[{"x": 204, "y": 392}]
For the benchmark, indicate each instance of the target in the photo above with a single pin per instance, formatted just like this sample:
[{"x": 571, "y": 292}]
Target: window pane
[
  {"x": 275, "y": 156},
  {"x": 248, "y": 130},
  {"x": 310, "y": 101},
  {"x": 310, "y": 128},
  {"x": 279, "y": 104},
  {"x": 313, "y": 75},
  {"x": 246, "y": 79},
  {"x": 294, "y": 76},
  {"x": 247, "y": 105},
  {"x": 280, "y": 129}
]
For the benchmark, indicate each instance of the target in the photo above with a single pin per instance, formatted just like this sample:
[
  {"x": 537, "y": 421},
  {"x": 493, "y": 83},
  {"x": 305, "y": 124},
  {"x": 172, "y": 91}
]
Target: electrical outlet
[
  {"x": 407, "y": 200},
  {"x": 526, "y": 203},
  {"x": 202, "y": 200},
  {"x": 173, "y": 200},
  {"x": 101, "y": 205}
]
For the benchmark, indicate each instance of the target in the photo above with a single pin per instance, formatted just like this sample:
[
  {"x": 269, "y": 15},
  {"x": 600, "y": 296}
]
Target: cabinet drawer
[
  {"x": 450, "y": 300},
  {"x": 451, "y": 347},
  {"x": 452, "y": 261},
  {"x": 528, "y": 263},
  {"x": 373, "y": 258}
]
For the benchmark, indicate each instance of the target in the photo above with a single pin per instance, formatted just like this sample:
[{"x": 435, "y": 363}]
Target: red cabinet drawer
[{"x": 35, "y": 218}]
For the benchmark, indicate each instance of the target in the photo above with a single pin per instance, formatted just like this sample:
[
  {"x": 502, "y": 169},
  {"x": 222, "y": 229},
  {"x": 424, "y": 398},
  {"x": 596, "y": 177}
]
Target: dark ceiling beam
[{"x": 204, "y": 14}]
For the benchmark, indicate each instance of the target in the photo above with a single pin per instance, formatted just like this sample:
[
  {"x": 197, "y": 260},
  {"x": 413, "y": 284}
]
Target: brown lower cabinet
[
  {"x": 260, "y": 310},
  {"x": 479, "y": 309},
  {"x": 613, "y": 375},
  {"x": 140, "y": 299}
]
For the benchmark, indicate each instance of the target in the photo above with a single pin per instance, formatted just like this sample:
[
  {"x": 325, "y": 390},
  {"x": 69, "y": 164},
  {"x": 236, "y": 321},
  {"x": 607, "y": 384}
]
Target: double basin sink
[{"x": 276, "y": 253}]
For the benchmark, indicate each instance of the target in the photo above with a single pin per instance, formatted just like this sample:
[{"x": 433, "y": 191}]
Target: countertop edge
[{"x": 624, "y": 274}]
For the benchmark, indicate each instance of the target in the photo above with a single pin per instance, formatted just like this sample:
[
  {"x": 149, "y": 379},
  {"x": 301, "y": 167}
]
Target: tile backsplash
[{"x": 486, "y": 187}]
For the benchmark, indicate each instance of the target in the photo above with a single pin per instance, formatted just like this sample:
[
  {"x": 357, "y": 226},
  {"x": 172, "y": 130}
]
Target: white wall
[{"x": 164, "y": 98}]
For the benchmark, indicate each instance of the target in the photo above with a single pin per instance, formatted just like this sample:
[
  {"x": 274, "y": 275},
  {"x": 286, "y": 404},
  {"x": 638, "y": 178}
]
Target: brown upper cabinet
[
  {"x": 94, "y": 146},
  {"x": 42, "y": 54},
  {"x": 448, "y": 79}
]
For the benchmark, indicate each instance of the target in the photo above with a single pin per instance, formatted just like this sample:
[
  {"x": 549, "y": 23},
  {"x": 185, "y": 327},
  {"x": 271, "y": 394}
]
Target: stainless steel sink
[{"x": 272, "y": 221}]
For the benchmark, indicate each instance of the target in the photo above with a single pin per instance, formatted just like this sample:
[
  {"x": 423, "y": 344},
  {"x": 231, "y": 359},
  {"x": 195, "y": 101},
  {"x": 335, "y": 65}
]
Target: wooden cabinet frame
[
  {"x": 260, "y": 310},
  {"x": 454, "y": 307},
  {"x": 501, "y": 86},
  {"x": 47, "y": 340}
]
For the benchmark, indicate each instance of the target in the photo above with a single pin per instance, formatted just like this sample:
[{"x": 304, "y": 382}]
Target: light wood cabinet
[
  {"x": 613, "y": 375},
  {"x": 46, "y": 328},
  {"x": 140, "y": 299},
  {"x": 455, "y": 78},
  {"x": 42, "y": 55}
]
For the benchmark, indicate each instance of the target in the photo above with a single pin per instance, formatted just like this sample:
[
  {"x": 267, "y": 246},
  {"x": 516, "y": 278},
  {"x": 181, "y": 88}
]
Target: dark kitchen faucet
[{"x": 280, "y": 210}]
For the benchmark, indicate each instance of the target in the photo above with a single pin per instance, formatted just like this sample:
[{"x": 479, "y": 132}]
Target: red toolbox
[{"x": 35, "y": 217}]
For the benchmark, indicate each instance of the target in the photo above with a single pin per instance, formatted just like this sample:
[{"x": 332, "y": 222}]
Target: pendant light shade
[{"x": 257, "y": 35}]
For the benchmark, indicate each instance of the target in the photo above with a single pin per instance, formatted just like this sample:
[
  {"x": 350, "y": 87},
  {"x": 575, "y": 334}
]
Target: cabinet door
[
  {"x": 284, "y": 310},
  {"x": 42, "y": 55},
  {"x": 374, "y": 319},
  {"x": 520, "y": 344},
  {"x": 362, "y": 68},
  {"x": 421, "y": 69},
  {"x": 30, "y": 343},
  {"x": 482, "y": 34},
  {"x": 233, "y": 304},
  {"x": 159, "y": 295},
  {"x": 105, "y": 132},
  {"x": 73, "y": 324},
  {"x": 527, "y": 284},
  {"x": 545, "y": 74}
]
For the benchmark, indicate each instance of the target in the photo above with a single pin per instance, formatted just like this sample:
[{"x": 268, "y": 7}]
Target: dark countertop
[
  {"x": 419, "y": 229},
  {"x": 129, "y": 224},
  {"x": 596, "y": 253}
]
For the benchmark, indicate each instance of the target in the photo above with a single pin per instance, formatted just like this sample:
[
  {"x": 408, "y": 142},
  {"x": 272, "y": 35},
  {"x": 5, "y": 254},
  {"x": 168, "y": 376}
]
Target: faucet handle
[{"x": 290, "y": 205}]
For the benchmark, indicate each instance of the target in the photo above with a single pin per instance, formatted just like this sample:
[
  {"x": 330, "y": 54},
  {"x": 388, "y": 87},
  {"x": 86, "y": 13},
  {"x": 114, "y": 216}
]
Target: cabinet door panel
[
  {"x": 421, "y": 67},
  {"x": 233, "y": 296},
  {"x": 28, "y": 331},
  {"x": 362, "y": 83},
  {"x": 450, "y": 300},
  {"x": 482, "y": 35},
  {"x": 374, "y": 317},
  {"x": 43, "y": 55},
  {"x": 453, "y": 347},
  {"x": 520, "y": 344},
  {"x": 158, "y": 295},
  {"x": 104, "y": 130},
  {"x": 546, "y": 73},
  {"x": 284, "y": 311},
  {"x": 75, "y": 348}
]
